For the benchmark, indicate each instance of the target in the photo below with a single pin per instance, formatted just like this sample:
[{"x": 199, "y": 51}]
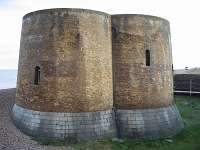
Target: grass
[
  {"x": 49, "y": 141},
  {"x": 188, "y": 139}
]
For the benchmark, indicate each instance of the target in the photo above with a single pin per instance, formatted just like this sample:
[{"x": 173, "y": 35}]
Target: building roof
[{"x": 187, "y": 71}]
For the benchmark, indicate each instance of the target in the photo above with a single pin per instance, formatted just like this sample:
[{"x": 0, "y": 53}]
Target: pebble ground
[{"x": 10, "y": 137}]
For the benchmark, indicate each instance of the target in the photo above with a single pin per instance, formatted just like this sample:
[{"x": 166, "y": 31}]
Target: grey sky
[{"x": 184, "y": 16}]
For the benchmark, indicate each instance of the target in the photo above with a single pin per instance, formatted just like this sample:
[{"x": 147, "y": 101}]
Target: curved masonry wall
[
  {"x": 137, "y": 85},
  {"x": 75, "y": 55},
  {"x": 85, "y": 125},
  {"x": 149, "y": 123},
  {"x": 73, "y": 49},
  {"x": 143, "y": 84},
  {"x": 74, "y": 95},
  {"x": 132, "y": 123}
]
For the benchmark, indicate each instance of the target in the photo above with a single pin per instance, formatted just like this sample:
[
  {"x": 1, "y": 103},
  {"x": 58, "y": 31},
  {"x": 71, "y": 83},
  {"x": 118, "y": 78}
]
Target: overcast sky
[{"x": 184, "y": 16}]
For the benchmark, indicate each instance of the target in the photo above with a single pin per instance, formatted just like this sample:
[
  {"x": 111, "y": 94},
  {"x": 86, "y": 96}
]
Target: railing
[
  {"x": 187, "y": 92},
  {"x": 187, "y": 87}
]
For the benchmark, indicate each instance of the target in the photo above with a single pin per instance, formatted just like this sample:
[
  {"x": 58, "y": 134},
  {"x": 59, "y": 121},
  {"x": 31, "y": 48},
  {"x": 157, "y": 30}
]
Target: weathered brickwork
[
  {"x": 135, "y": 84},
  {"x": 72, "y": 60},
  {"x": 73, "y": 49}
]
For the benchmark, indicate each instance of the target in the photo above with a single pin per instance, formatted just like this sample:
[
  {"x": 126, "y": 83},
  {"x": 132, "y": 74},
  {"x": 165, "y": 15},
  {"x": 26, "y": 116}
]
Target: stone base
[
  {"x": 86, "y": 125},
  {"x": 149, "y": 123},
  {"x": 136, "y": 123}
]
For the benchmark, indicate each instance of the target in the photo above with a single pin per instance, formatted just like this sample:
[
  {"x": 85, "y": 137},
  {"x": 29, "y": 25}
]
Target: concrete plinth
[
  {"x": 149, "y": 123},
  {"x": 85, "y": 125}
]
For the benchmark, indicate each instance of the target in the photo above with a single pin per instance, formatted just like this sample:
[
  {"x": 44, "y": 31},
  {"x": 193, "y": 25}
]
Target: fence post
[{"x": 190, "y": 87}]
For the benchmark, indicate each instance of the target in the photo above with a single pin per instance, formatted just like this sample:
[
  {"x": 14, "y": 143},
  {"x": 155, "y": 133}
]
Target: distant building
[
  {"x": 187, "y": 81},
  {"x": 73, "y": 62}
]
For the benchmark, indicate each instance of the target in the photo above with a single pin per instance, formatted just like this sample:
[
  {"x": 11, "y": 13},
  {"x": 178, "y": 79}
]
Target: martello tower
[
  {"x": 142, "y": 77},
  {"x": 73, "y": 62},
  {"x": 64, "y": 86}
]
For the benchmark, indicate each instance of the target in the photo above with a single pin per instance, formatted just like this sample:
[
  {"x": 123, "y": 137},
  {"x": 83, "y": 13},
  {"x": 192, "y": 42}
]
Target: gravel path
[{"x": 10, "y": 137}]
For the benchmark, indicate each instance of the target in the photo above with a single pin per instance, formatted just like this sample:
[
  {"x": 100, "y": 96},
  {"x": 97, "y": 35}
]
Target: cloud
[{"x": 183, "y": 16}]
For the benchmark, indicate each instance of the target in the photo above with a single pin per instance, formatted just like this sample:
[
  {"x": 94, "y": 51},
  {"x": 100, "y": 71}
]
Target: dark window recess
[
  {"x": 37, "y": 75},
  {"x": 147, "y": 57},
  {"x": 78, "y": 36},
  {"x": 114, "y": 32}
]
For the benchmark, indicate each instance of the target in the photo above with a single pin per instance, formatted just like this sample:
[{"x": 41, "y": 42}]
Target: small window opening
[
  {"x": 114, "y": 32},
  {"x": 37, "y": 75},
  {"x": 147, "y": 57}
]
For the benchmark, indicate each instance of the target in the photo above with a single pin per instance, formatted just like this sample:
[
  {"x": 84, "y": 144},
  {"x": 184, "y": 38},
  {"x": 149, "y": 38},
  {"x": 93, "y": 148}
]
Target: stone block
[
  {"x": 51, "y": 126},
  {"x": 147, "y": 125}
]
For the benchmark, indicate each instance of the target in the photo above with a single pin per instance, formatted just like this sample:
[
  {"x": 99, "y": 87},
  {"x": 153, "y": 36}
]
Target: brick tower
[
  {"x": 64, "y": 86},
  {"x": 142, "y": 77},
  {"x": 74, "y": 61}
]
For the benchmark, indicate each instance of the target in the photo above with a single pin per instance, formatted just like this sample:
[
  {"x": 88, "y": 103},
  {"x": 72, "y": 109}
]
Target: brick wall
[
  {"x": 72, "y": 47},
  {"x": 135, "y": 84},
  {"x": 74, "y": 96}
]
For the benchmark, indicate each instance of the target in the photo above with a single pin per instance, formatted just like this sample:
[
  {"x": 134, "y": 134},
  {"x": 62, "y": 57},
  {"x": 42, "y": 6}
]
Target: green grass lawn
[{"x": 188, "y": 139}]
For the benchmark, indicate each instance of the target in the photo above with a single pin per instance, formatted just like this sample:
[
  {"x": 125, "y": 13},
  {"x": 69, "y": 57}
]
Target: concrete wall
[
  {"x": 73, "y": 49},
  {"x": 135, "y": 84}
]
